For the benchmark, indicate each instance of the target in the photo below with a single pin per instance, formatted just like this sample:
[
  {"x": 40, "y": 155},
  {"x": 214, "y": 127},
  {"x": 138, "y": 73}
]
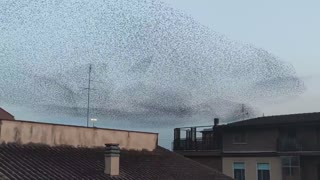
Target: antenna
[
  {"x": 89, "y": 88},
  {"x": 244, "y": 112}
]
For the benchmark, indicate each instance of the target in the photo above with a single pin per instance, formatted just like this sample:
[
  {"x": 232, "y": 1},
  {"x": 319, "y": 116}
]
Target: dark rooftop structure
[
  {"x": 277, "y": 120},
  {"x": 34, "y": 161},
  {"x": 5, "y": 114},
  {"x": 289, "y": 145},
  {"x": 210, "y": 136}
]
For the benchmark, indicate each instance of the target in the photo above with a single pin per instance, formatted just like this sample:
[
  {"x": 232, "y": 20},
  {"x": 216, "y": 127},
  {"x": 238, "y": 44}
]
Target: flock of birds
[{"x": 151, "y": 64}]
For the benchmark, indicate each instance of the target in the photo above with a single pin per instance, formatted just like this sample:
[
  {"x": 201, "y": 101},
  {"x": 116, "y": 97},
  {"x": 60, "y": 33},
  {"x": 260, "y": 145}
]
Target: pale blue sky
[{"x": 289, "y": 29}]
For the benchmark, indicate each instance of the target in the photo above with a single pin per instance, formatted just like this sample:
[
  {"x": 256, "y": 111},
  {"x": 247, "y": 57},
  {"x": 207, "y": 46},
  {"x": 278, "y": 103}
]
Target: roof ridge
[
  {"x": 291, "y": 114},
  {"x": 264, "y": 117}
]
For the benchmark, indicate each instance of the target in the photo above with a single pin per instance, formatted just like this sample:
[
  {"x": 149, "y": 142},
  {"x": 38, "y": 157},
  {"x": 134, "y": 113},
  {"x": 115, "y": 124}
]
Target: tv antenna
[
  {"x": 89, "y": 91},
  {"x": 244, "y": 112}
]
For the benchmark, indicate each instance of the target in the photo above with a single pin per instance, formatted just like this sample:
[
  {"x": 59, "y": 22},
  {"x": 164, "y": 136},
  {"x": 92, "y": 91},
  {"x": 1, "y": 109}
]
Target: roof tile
[{"x": 34, "y": 161}]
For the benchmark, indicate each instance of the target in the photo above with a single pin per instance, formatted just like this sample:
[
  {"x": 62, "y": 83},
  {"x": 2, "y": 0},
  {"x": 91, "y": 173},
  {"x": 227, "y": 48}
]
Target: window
[
  {"x": 239, "y": 171},
  {"x": 263, "y": 171},
  {"x": 290, "y": 166},
  {"x": 240, "y": 138},
  {"x": 292, "y": 133}
]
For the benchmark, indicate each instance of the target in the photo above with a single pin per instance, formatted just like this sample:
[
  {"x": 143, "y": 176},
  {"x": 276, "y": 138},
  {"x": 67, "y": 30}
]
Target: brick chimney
[{"x": 112, "y": 159}]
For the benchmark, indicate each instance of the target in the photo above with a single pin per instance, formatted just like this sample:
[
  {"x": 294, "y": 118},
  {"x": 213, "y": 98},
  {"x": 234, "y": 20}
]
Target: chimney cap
[
  {"x": 112, "y": 150},
  {"x": 216, "y": 121}
]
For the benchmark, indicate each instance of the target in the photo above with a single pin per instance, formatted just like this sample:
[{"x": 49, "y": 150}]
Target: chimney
[
  {"x": 112, "y": 159},
  {"x": 216, "y": 121}
]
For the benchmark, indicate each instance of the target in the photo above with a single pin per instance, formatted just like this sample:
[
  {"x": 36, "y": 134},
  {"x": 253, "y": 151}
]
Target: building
[
  {"x": 33, "y": 150},
  {"x": 285, "y": 147},
  {"x": 200, "y": 144},
  {"x": 5, "y": 115}
]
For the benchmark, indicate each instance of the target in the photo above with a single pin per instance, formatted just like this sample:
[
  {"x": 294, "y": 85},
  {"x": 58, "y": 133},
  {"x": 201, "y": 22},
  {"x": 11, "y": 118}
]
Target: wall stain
[
  {"x": 53, "y": 135},
  {"x": 17, "y": 135},
  {"x": 44, "y": 136},
  {"x": 31, "y": 131},
  {"x": 0, "y": 129}
]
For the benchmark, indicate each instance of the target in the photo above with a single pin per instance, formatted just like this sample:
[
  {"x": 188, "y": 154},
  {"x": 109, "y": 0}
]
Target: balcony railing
[
  {"x": 293, "y": 144},
  {"x": 195, "y": 145},
  {"x": 289, "y": 144}
]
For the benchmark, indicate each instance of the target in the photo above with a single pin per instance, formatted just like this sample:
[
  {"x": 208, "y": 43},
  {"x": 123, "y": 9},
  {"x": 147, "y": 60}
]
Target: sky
[{"x": 287, "y": 29}]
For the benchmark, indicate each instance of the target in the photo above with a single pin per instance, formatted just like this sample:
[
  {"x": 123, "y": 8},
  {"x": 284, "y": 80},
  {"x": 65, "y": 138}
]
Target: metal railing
[
  {"x": 293, "y": 144},
  {"x": 289, "y": 144},
  {"x": 195, "y": 145}
]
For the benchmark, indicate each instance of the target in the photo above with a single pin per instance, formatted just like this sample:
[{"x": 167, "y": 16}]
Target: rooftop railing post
[
  {"x": 188, "y": 139},
  {"x": 194, "y": 138},
  {"x": 176, "y": 143}
]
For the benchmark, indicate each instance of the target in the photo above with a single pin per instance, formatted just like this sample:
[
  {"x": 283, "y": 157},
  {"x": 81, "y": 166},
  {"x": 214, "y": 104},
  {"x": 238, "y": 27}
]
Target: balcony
[
  {"x": 200, "y": 138},
  {"x": 295, "y": 145},
  {"x": 196, "y": 145}
]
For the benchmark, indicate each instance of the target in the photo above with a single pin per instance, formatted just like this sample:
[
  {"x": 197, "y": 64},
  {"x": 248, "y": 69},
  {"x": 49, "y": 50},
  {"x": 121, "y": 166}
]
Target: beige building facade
[
  {"x": 251, "y": 166},
  {"x": 285, "y": 147},
  {"x": 25, "y": 132}
]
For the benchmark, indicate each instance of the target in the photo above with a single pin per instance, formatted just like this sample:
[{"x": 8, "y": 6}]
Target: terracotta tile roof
[
  {"x": 36, "y": 161},
  {"x": 278, "y": 120}
]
